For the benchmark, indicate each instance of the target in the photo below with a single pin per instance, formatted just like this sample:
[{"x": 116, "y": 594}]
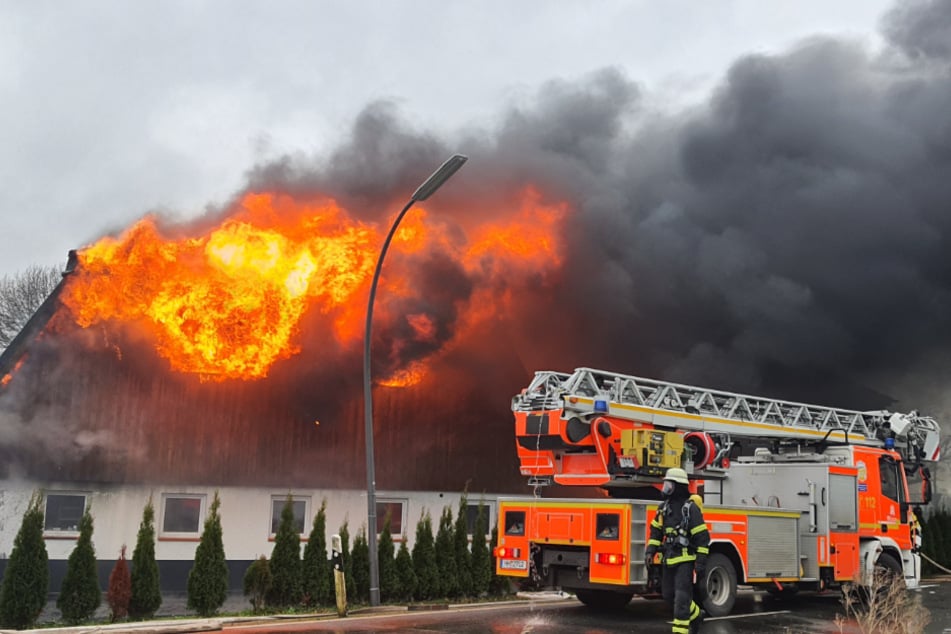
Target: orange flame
[
  {"x": 9, "y": 375},
  {"x": 228, "y": 302}
]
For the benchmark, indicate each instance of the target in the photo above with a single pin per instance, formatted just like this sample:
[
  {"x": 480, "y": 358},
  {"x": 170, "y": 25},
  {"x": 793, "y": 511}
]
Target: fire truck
[{"x": 795, "y": 496}]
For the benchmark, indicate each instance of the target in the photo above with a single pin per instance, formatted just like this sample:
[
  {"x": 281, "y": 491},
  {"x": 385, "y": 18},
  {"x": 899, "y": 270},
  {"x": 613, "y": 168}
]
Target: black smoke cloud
[{"x": 790, "y": 235}]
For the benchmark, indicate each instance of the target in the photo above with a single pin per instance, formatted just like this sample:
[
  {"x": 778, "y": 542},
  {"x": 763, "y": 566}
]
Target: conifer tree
[
  {"x": 80, "y": 594},
  {"x": 460, "y": 539},
  {"x": 26, "y": 578},
  {"x": 446, "y": 557},
  {"x": 481, "y": 561},
  {"x": 361, "y": 566},
  {"x": 146, "y": 593},
  {"x": 285, "y": 560},
  {"x": 424, "y": 560},
  {"x": 316, "y": 573},
  {"x": 405, "y": 573},
  {"x": 208, "y": 579},
  {"x": 120, "y": 588},
  {"x": 389, "y": 580},
  {"x": 347, "y": 561},
  {"x": 257, "y": 583}
]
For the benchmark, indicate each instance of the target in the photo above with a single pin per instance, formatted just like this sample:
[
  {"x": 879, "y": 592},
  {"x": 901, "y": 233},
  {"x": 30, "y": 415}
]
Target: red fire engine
[{"x": 796, "y": 496}]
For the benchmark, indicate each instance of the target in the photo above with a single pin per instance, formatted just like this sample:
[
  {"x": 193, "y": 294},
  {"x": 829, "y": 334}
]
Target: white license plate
[
  {"x": 626, "y": 462},
  {"x": 513, "y": 564}
]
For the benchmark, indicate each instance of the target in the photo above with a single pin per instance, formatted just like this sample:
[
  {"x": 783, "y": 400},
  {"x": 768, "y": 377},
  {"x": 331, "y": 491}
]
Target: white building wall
[{"x": 245, "y": 516}]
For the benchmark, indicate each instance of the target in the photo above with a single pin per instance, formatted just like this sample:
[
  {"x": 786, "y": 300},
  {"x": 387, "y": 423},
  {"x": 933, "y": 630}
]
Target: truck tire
[
  {"x": 607, "y": 600},
  {"x": 721, "y": 585}
]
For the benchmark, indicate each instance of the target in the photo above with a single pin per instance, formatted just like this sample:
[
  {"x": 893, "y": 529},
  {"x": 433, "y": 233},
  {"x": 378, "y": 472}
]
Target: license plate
[
  {"x": 513, "y": 564},
  {"x": 626, "y": 462}
]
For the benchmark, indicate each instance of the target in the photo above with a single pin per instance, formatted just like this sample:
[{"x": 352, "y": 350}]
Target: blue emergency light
[{"x": 600, "y": 405}]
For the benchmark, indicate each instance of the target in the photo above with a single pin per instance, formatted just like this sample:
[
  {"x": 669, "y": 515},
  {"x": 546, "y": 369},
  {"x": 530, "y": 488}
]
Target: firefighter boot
[
  {"x": 697, "y": 622},
  {"x": 696, "y": 617}
]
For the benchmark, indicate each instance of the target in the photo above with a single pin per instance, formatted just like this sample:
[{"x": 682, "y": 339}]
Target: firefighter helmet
[{"x": 678, "y": 475}]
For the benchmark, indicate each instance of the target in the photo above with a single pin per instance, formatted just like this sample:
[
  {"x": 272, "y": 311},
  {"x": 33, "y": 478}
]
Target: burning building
[{"x": 228, "y": 355}]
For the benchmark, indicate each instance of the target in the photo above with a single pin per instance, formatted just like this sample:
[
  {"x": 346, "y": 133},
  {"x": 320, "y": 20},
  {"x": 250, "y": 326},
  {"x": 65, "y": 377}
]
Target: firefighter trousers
[{"x": 677, "y": 588}]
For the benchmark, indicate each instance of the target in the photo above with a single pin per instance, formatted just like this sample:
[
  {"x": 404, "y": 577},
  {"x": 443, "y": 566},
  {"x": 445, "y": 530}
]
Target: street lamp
[{"x": 427, "y": 189}]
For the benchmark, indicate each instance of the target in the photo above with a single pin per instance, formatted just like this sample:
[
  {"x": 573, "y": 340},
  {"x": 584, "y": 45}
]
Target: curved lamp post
[{"x": 427, "y": 189}]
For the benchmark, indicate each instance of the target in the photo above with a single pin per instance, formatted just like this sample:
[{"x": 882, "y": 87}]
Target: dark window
[
  {"x": 63, "y": 511},
  {"x": 395, "y": 511},
  {"x": 182, "y": 514},
  {"x": 299, "y": 507},
  {"x": 472, "y": 514},
  {"x": 608, "y": 526},
  {"x": 515, "y": 522},
  {"x": 891, "y": 484}
]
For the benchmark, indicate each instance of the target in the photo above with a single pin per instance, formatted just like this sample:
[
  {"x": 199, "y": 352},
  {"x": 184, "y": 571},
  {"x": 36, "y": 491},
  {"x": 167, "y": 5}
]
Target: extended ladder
[{"x": 587, "y": 392}]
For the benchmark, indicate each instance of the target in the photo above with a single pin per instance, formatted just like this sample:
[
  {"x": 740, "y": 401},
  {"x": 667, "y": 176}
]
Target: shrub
[
  {"x": 208, "y": 578},
  {"x": 316, "y": 571},
  {"x": 885, "y": 606},
  {"x": 120, "y": 588},
  {"x": 146, "y": 594},
  {"x": 80, "y": 594},
  {"x": 285, "y": 560},
  {"x": 345, "y": 557},
  {"x": 481, "y": 561},
  {"x": 446, "y": 557},
  {"x": 257, "y": 583},
  {"x": 424, "y": 560},
  {"x": 361, "y": 566},
  {"x": 26, "y": 579},
  {"x": 405, "y": 573},
  {"x": 460, "y": 539},
  {"x": 389, "y": 580}
]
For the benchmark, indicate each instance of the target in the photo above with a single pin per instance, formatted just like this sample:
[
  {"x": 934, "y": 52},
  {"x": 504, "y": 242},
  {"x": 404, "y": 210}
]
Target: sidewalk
[{"x": 238, "y": 603}]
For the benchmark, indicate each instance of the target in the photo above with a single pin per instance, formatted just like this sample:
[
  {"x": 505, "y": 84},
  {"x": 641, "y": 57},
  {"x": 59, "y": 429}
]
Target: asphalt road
[{"x": 754, "y": 613}]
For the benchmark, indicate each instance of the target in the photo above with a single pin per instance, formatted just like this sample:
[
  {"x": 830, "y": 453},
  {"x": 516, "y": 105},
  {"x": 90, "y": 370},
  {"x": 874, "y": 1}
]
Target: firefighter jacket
[{"x": 678, "y": 530}]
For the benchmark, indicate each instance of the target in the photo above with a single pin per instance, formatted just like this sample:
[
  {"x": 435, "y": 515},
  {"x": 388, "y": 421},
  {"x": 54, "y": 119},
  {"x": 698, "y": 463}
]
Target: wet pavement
[{"x": 755, "y": 612}]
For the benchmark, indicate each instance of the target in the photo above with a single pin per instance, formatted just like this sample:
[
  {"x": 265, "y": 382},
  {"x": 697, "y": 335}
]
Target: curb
[{"x": 217, "y": 624}]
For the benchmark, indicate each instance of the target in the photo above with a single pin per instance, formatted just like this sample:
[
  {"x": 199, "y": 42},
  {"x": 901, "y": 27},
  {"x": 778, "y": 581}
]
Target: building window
[
  {"x": 182, "y": 513},
  {"x": 393, "y": 508},
  {"x": 472, "y": 513},
  {"x": 299, "y": 506},
  {"x": 63, "y": 511}
]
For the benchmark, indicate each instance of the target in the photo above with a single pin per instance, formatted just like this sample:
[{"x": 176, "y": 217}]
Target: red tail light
[
  {"x": 610, "y": 559},
  {"x": 507, "y": 552}
]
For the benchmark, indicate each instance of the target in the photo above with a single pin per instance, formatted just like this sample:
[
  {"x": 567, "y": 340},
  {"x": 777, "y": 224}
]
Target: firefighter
[{"x": 680, "y": 534}]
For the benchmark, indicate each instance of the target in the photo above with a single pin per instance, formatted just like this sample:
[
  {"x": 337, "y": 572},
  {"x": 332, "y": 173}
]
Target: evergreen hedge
[
  {"x": 316, "y": 571},
  {"x": 446, "y": 556},
  {"x": 146, "y": 593},
  {"x": 386, "y": 553},
  {"x": 208, "y": 578},
  {"x": 80, "y": 594},
  {"x": 460, "y": 538},
  {"x": 405, "y": 573},
  {"x": 257, "y": 583},
  {"x": 285, "y": 561},
  {"x": 481, "y": 560},
  {"x": 361, "y": 566},
  {"x": 26, "y": 579},
  {"x": 424, "y": 560}
]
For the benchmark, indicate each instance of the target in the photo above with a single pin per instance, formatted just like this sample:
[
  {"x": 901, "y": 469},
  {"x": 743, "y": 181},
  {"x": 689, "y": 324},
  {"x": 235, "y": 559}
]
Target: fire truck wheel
[
  {"x": 604, "y": 599},
  {"x": 721, "y": 585}
]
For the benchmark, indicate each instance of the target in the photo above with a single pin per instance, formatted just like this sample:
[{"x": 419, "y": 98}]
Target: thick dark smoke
[{"x": 790, "y": 236}]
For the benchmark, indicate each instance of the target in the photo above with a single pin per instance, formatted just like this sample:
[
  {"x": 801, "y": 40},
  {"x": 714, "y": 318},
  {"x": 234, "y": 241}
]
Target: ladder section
[{"x": 589, "y": 392}]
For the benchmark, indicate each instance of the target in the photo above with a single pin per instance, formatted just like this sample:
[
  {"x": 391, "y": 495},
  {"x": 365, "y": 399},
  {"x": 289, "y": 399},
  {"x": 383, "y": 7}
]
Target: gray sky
[{"x": 112, "y": 109}]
